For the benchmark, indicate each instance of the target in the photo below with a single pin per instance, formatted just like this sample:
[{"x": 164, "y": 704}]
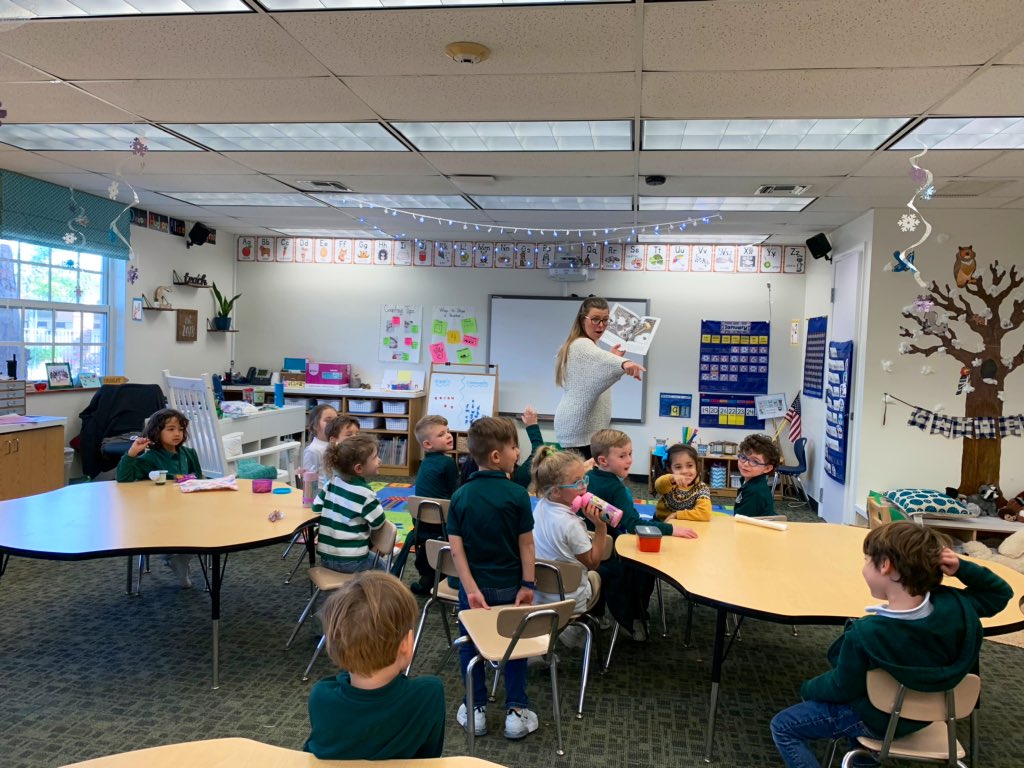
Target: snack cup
[
  {"x": 648, "y": 538},
  {"x": 158, "y": 476},
  {"x": 262, "y": 485}
]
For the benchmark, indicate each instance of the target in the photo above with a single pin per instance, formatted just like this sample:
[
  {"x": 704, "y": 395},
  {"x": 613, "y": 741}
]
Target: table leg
[
  {"x": 4, "y": 560},
  {"x": 215, "y": 614},
  {"x": 716, "y": 677}
]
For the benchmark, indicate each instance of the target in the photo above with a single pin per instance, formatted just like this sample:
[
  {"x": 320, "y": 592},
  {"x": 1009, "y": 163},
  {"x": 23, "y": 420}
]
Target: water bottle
[
  {"x": 609, "y": 512},
  {"x": 310, "y": 487},
  {"x": 279, "y": 394}
]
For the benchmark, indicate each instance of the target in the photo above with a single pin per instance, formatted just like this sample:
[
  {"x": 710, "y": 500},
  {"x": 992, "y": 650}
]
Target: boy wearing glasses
[{"x": 758, "y": 458}]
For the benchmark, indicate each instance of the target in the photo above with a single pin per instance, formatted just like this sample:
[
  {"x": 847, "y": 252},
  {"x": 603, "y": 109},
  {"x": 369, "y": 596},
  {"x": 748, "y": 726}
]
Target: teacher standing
[{"x": 586, "y": 373}]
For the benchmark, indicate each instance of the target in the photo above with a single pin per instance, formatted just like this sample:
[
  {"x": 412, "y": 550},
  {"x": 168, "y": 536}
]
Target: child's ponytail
[{"x": 549, "y": 468}]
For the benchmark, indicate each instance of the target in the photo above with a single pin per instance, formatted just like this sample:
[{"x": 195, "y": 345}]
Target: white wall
[
  {"x": 330, "y": 313},
  {"x": 896, "y": 455}
]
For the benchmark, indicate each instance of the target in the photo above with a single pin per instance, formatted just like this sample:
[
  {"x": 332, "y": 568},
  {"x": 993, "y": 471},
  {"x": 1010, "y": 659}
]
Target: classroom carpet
[{"x": 86, "y": 671}]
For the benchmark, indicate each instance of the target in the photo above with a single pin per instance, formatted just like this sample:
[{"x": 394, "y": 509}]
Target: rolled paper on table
[{"x": 760, "y": 522}]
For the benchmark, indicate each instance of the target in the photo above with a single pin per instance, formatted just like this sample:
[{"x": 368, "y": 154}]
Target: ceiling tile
[
  {"x": 57, "y": 103},
  {"x": 154, "y": 47},
  {"x": 310, "y": 99},
  {"x": 330, "y": 165},
  {"x": 732, "y": 186},
  {"x": 202, "y": 182},
  {"x": 576, "y": 39},
  {"x": 946, "y": 163},
  {"x": 498, "y": 97},
  {"x": 796, "y": 34},
  {"x": 809, "y": 93},
  {"x": 551, "y": 185},
  {"x": 12, "y": 71},
  {"x": 996, "y": 91},
  {"x": 395, "y": 184},
  {"x": 34, "y": 163},
  {"x": 791, "y": 165},
  {"x": 155, "y": 162},
  {"x": 1006, "y": 164},
  {"x": 533, "y": 163}
]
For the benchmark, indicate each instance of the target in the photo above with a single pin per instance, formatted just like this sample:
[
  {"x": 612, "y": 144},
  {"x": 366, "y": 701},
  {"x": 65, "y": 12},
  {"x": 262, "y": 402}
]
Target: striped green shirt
[{"x": 349, "y": 510}]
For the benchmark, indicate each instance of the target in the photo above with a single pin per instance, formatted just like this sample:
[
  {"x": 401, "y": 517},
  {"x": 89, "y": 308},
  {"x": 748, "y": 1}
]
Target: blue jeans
[
  {"x": 807, "y": 721},
  {"x": 370, "y": 563},
  {"x": 515, "y": 671}
]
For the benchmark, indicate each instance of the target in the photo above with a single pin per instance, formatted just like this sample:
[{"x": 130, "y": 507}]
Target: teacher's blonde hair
[{"x": 577, "y": 331}]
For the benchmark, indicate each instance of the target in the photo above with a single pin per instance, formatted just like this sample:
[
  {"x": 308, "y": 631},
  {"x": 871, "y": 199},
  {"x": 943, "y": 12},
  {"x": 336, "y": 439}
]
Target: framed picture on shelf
[
  {"x": 137, "y": 309},
  {"x": 87, "y": 380},
  {"x": 58, "y": 376}
]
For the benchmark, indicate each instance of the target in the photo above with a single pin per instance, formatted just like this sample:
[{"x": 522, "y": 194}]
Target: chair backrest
[
  {"x": 558, "y": 578},
  {"x": 439, "y": 555},
  {"x": 800, "y": 449},
  {"x": 429, "y": 510},
  {"x": 525, "y": 621},
  {"x": 884, "y": 692},
  {"x": 609, "y": 545},
  {"x": 878, "y": 514},
  {"x": 383, "y": 540},
  {"x": 194, "y": 398}
]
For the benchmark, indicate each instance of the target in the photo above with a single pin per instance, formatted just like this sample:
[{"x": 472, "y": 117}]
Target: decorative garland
[{"x": 957, "y": 427}]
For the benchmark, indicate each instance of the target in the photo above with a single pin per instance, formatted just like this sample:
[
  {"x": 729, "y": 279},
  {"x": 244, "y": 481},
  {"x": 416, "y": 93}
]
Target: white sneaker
[
  {"x": 180, "y": 565},
  {"x": 479, "y": 720},
  {"x": 519, "y": 725},
  {"x": 606, "y": 621},
  {"x": 640, "y": 631},
  {"x": 573, "y": 636}
]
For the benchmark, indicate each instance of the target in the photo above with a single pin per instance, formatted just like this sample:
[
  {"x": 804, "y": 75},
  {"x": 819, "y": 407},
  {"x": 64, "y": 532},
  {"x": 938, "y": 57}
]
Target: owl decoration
[{"x": 964, "y": 266}]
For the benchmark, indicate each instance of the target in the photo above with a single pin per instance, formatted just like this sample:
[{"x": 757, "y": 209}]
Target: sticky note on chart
[
  {"x": 470, "y": 341},
  {"x": 469, "y": 325},
  {"x": 464, "y": 355},
  {"x": 438, "y": 353},
  {"x": 454, "y": 337},
  {"x": 440, "y": 328}
]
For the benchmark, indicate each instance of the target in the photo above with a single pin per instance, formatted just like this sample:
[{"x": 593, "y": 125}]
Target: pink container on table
[{"x": 262, "y": 485}]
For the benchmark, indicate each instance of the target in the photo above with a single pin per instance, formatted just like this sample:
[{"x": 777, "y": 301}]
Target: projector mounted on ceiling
[{"x": 570, "y": 269}]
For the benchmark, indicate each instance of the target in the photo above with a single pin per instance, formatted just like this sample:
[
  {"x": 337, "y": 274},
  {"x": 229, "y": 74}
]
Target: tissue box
[
  {"x": 648, "y": 538},
  {"x": 327, "y": 374}
]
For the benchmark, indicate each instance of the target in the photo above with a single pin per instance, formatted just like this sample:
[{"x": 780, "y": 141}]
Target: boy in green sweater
[
  {"x": 925, "y": 635},
  {"x": 627, "y": 589},
  {"x": 371, "y": 710},
  {"x": 758, "y": 458}
]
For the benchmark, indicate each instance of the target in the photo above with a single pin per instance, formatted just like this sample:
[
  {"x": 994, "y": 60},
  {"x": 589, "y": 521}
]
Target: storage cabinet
[
  {"x": 12, "y": 396},
  {"x": 31, "y": 461}
]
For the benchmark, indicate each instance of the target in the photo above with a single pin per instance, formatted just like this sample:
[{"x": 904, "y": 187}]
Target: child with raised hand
[
  {"x": 162, "y": 447},
  {"x": 559, "y": 477},
  {"x": 371, "y": 710},
  {"x": 348, "y": 507},
  {"x": 521, "y": 474},
  {"x": 319, "y": 420},
  {"x": 684, "y": 496},
  {"x": 490, "y": 527},
  {"x": 627, "y": 588},
  {"x": 926, "y": 635},
  {"x": 757, "y": 458}
]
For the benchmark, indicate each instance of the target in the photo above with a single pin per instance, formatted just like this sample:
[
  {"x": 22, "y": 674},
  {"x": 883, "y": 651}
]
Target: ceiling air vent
[
  {"x": 782, "y": 189},
  {"x": 333, "y": 186},
  {"x": 970, "y": 187}
]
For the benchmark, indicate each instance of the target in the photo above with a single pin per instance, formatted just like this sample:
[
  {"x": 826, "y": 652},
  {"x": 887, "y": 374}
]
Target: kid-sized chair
[
  {"x": 936, "y": 743},
  {"x": 794, "y": 472},
  {"x": 439, "y": 555},
  {"x": 194, "y": 398}
]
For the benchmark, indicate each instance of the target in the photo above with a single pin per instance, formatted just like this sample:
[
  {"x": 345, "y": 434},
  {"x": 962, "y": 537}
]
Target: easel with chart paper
[{"x": 462, "y": 393}]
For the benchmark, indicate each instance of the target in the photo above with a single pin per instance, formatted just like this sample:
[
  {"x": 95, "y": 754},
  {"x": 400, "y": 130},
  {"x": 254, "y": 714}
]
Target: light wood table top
[
  {"x": 108, "y": 518},
  {"x": 808, "y": 574},
  {"x": 245, "y": 753}
]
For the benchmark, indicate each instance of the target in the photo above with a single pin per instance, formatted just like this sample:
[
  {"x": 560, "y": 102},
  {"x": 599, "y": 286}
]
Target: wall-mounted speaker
[
  {"x": 197, "y": 235},
  {"x": 820, "y": 247}
]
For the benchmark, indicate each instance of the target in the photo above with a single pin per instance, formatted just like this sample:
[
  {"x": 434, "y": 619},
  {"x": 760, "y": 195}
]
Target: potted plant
[{"x": 222, "y": 321}]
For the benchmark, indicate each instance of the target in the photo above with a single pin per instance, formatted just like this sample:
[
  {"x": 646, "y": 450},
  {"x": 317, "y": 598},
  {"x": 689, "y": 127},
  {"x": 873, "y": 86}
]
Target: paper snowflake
[
  {"x": 133, "y": 274},
  {"x": 139, "y": 146},
  {"x": 927, "y": 370},
  {"x": 928, "y": 192},
  {"x": 82, "y": 220},
  {"x": 887, "y": 366},
  {"x": 70, "y": 238},
  {"x": 908, "y": 222},
  {"x": 113, "y": 190},
  {"x": 922, "y": 304}
]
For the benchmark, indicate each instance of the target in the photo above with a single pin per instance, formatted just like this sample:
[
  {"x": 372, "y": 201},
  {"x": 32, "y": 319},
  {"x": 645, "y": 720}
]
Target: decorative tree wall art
[{"x": 969, "y": 321}]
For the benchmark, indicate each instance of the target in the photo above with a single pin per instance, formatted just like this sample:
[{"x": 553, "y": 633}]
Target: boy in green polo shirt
[
  {"x": 758, "y": 458},
  {"x": 490, "y": 527},
  {"x": 924, "y": 634}
]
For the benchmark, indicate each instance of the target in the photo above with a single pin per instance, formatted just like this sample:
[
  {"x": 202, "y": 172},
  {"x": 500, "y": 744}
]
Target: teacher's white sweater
[{"x": 586, "y": 404}]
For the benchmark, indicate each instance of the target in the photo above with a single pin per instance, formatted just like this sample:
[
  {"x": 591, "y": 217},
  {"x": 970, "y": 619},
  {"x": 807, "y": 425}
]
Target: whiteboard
[
  {"x": 524, "y": 334},
  {"x": 461, "y": 397}
]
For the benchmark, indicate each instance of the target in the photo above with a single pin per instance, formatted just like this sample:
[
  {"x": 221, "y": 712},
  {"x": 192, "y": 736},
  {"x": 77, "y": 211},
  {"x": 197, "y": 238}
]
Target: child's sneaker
[
  {"x": 519, "y": 725},
  {"x": 640, "y": 631},
  {"x": 179, "y": 564},
  {"x": 479, "y": 720},
  {"x": 573, "y": 636}
]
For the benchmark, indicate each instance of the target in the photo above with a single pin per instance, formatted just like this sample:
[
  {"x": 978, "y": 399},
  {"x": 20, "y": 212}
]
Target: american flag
[{"x": 793, "y": 417}]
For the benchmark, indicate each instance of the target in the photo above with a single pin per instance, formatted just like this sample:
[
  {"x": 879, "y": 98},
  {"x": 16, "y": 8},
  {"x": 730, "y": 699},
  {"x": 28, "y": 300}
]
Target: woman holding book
[{"x": 586, "y": 373}]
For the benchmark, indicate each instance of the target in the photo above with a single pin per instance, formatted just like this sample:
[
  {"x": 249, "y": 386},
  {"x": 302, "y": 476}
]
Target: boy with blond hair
[
  {"x": 490, "y": 526},
  {"x": 925, "y": 635},
  {"x": 628, "y": 589},
  {"x": 371, "y": 710}
]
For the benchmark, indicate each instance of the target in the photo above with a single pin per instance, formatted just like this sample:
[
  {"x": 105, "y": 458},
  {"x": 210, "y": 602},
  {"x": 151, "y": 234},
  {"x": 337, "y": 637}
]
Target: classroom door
[{"x": 836, "y": 503}]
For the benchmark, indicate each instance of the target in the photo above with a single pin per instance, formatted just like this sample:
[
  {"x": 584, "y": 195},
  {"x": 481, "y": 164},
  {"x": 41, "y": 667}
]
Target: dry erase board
[
  {"x": 462, "y": 398},
  {"x": 524, "y": 334}
]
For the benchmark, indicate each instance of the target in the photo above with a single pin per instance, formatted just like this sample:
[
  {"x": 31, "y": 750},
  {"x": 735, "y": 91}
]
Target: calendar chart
[{"x": 734, "y": 357}]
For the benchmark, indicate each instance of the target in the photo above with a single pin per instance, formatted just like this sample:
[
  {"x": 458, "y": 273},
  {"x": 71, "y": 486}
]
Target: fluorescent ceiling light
[
  {"x": 364, "y": 234},
  {"x": 538, "y": 203},
  {"x": 73, "y": 9},
  {"x": 536, "y": 136},
  {"x": 321, "y": 5},
  {"x": 809, "y": 134},
  {"x": 651, "y": 203},
  {"x": 67, "y": 137},
  {"x": 290, "y": 137},
  {"x": 263, "y": 199},
  {"x": 966, "y": 133},
  {"x": 683, "y": 237},
  {"x": 394, "y": 201}
]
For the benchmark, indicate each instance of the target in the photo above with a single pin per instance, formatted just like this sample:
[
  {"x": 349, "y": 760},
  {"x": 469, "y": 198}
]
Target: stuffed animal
[
  {"x": 1014, "y": 509},
  {"x": 1010, "y": 552},
  {"x": 985, "y": 498}
]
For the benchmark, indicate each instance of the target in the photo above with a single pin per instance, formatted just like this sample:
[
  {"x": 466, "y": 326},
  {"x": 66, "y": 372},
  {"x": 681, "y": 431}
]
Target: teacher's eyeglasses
[
  {"x": 579, "y": 485},
  {"x": 598, "y": 320},
  {"x": 751, "y": 461}
]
